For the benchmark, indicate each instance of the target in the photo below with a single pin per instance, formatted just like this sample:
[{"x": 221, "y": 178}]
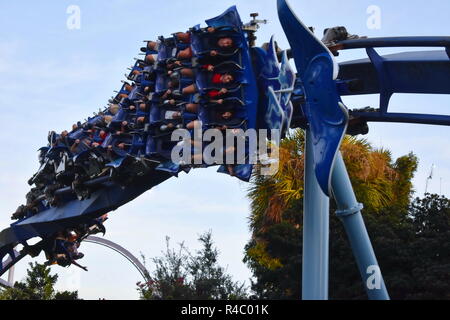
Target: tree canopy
[
  {"x": 181, "y": 275},
  {"x": 410, "y": 237},
  {"x": 38, "y": 285}
]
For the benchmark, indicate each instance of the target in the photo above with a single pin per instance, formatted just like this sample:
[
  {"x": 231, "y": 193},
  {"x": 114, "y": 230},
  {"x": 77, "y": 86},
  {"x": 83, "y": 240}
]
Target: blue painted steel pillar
[
  {"x": 316, "y": 207},
  {"x": 349, "y": 211}
]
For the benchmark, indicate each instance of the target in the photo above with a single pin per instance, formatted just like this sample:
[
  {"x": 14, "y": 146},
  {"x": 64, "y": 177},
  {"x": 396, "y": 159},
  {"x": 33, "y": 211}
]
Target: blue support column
[
  {"x": 316, "y": 207},
  {"x": 349, "y": 211}
]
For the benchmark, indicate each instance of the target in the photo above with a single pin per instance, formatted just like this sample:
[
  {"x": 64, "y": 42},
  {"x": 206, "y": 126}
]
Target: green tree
[
  {"x": 384, "y": 186},
  {"x": 38, "y": 285},
  {"x": 180, "y": 275}
]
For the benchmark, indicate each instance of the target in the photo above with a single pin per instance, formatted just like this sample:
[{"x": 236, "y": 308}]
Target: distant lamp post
[{"x": 430, "y": 177}]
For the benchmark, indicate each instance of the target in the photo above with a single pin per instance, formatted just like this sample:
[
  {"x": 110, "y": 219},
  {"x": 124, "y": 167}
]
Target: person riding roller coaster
[
  {"x": 221, "y": 45},
  {"x": 217, "y": 80},
  {"x": 63, "y": 250}
]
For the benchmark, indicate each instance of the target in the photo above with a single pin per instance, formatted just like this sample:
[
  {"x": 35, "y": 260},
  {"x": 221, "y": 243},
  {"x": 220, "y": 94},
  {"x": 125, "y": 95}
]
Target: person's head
[
  {"x": 227, "y": 78},
  {"x": 151, "y": 58},
  {"x": 107, "y": 119},
  {"x": 143, "y": 106},
  {"x": 140, "y": 120},
  {"x": 64, "y": 134},
  {"x": 41, "y": 155},
  {"x": 176, "y": 115},
  {"x": 121, "y": 145},
  {"x": 225, "y": 42},
  {"x": 114, "y": 108},
  {"x": 72, "y": 236},
  {"x": 103, "y": 134},
  {"x": 128, "y": 87},
  {"x": 227, "y": 115}
]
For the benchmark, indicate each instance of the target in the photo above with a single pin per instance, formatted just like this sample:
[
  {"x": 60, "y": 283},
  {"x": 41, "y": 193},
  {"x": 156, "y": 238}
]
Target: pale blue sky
[{"x": 50, "y": 77}]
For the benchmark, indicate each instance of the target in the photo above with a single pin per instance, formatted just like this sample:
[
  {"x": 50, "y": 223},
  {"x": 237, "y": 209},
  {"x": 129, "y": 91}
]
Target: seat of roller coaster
[
  {"x": 154, "y": 129},
  {"x": 166, "y": 104},
  {"x": 167, "y": 49},
  {"x": 138, "y": 66},
  {"x": 143, "y": 81},
  {"x": 136, "y": 94},
  {"x": 120, "y": 116},
  {"x": 108, "y": 140},
  {"x": 180, "y": 45},
  {"x": 117, "y": 162},
  {"x": 155, "y": 114},
  {"x": 204, "y": 77},
  {"x": 186, "y": 114},
  {"x": 123, "y": 89},
  {"x": 149, "y": 70},
  {"x": 42, "y": 152},
  {"x": 52, "y": 137},
  {"x": 150, "y": 147},
  {"x": 115, "y": 100},
  {"x": 170, "y": 167},
  {"x": 184, "y": 82},
  {"x": 54, "y": 153},
  {"x": 213, "y": 117},
  {"x": 233, "y": 123},
  {"x": 231, "y": 102},
  {"x": 94, "y": 152},
  {"x": 137, "y": 145},
  {"x": 158, "y": 149},
  {"x": 203, "y": 42},
  {"x": 95, "y": 120},
  {"x": 164, "y": 108},
  {"x": 240, "y": 171},
  {"x": 233, "y": 92},
  {"x": 162, "y": 83},
  {"x": 229, "y": 18},
  {"x": 147, "y": 51},
  {"x": 141, "y": 113}
]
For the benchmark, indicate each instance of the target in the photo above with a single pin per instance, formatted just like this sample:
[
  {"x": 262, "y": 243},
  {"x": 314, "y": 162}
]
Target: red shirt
[
  {"x": 217, "y": 78},
  {"x": 213, "y": 93}
]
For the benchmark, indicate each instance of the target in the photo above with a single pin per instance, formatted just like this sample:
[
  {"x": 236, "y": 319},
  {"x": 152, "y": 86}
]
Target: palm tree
[
  {"x": 274, "y": 253},
  {"x": 378, "y": 182}
]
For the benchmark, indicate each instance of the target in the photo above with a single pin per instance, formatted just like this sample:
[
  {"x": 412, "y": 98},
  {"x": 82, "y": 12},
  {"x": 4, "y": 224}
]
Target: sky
[{"x": 52, "y": 76}]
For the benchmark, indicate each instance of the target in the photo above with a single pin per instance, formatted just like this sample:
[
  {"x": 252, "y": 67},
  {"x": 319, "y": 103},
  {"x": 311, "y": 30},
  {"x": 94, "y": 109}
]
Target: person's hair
[
  {"x": 114, "y": 108},
  {"x": 108, "y": 119}
]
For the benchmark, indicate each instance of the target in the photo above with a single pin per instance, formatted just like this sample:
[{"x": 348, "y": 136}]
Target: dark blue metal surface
[
  {"x": 442, "y": 41},
  {"x": 229, "y": 18},
  {"x": 75, "y": 212},
  {"x": 326, "y": 116}
]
